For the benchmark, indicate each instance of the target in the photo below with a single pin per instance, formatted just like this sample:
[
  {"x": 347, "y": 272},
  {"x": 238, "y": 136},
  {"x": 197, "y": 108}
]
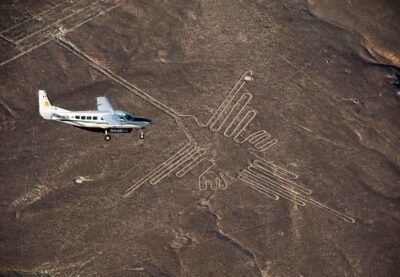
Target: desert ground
[{"x": 274, "y": 150}]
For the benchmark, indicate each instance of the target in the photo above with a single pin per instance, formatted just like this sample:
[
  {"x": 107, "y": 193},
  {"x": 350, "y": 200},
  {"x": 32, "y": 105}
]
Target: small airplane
[{"x": 105, "y": 119}]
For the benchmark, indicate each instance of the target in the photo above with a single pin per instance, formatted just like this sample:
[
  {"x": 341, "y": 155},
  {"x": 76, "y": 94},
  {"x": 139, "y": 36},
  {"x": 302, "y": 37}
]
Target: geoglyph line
[
  {"x": 97, "y": 11},
  {"x": 225, "y": 112},
  {"x": 51, "y": 25},
  {"x": 241, "y": 127},
  {"x": 258, "y": 188},
  {"x": 24, "y": 52},
  {"x": 37, "y": 39},
  {"x": 39, "y": 24},
  {"x": 264, "y": 181},
  {"x": 174, "y": 165},
  {"x": 265, "y": 144},
  {"x": 275, "y": 169},
  {"x": 257, "y": 137},
  {"x": 161, "y": 167},
  {"x": 67, "y": 10},
  {"x": 261, "y": 140},
  {"x": 44, "y": 35},
  {"x": 285, "y": 182},
  {"x": 274, "y": 187},
  {"x": 34, "y": 17},
  {"x": 7, "y": 40},
  {"x": 192, "y": 164},
  {"x": 233, "y": 111},
  {"x": 330, "y": 210},
  {"x": 237, "y": 106},
  {"x": 23, "y": 30},
  {"x": 238, "y": 86},
  {"x": 273, "y": 183},
  {"x": 93, "y": 9},
  {"x": 242, "y": 102},
  {"x": 214, "y": 183},
  {"x": 184, "y": 160},
  {"x": 260, "y": 170}
]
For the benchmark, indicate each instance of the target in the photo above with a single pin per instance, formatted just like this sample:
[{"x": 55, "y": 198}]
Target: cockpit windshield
[{"x": 128, "y": 117}]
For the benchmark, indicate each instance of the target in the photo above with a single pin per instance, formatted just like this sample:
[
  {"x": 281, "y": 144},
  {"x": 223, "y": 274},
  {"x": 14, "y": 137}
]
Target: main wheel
[
  {"x": 107, "y": 137},
  {"x": 141, "y": 135}
]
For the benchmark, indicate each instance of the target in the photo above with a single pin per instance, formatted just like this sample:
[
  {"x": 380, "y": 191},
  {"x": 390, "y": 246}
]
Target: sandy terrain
[{"x": 275, "y": 149}]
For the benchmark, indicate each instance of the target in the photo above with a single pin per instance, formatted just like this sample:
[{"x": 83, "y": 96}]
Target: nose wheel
[
  {"x": 141, "y": 134},
  {"x": 107, "y": 137}
]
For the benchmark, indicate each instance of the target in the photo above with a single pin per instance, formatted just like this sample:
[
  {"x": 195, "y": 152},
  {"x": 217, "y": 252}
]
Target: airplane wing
[
  {"x": 104, "y": 105},
  {"x": 112, "y": 119}
]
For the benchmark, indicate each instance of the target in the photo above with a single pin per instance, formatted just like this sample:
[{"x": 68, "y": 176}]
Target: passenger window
[
  {"x": 83, "y": 117},
  {"x": 102, "y": 119},
  {"x": 94, "y": 117},
  {"x": 77, "y": 116},
  {"x": 89, "y": 117}
]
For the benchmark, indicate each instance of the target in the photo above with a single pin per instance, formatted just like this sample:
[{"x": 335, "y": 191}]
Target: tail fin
[{"x": 45, "y": 108}]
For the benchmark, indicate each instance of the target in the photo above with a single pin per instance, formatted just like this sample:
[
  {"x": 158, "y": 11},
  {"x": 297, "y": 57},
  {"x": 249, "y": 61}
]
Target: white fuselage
[{"x": 94, "y": 119}]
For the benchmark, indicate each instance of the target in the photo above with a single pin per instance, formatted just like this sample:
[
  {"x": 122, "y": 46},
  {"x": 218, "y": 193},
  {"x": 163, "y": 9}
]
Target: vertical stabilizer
[{"x": 45, "y": 108}]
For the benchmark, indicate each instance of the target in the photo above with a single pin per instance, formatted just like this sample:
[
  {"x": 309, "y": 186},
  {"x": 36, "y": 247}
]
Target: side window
[
  {"x": 89, "y": 117},
  {"x": 102, "y": 119},
  {"x": 77, "y": 117},
  {"x": 94, "y": 117},
  {"x": 83, "y": 117}
]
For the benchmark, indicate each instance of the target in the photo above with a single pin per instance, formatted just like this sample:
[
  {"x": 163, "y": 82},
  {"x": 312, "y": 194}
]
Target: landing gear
[
  {"x": 141, "y": 134},
  {"x": 107, "y": 137}
]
